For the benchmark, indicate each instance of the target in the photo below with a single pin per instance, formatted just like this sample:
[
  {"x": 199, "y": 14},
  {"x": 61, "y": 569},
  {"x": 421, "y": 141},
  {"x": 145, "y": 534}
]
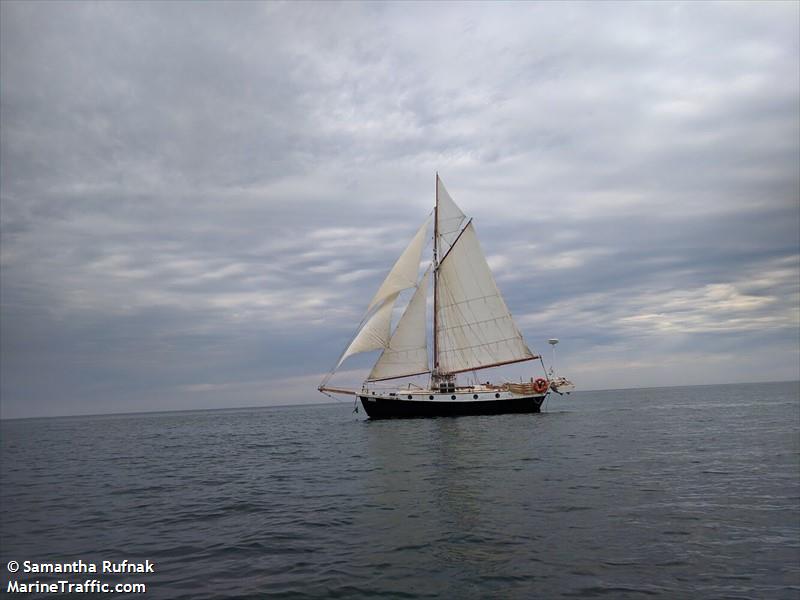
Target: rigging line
[
  {"x": 472, "y": 299},
  {"x": 455, "y": 241},
  {"x": 495, "y": 343},
  {"x": 476, "y": 322},
  {"x": 543, "y": 367},
  {"x": 330, "y": 396}
]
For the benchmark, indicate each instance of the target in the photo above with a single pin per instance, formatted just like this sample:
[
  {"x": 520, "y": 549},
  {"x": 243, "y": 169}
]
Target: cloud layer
[{"x": 198, "y": 200}]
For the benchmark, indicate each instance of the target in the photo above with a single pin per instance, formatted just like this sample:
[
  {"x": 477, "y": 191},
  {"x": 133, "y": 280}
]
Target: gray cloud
[{"x": 198, "y": 200}]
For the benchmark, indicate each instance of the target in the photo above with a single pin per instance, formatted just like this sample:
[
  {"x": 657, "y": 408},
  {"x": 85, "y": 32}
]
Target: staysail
[
  {"x": 474, "y": 327},
  {"x": 407, "y": 351},
  {"x": 375, "y": 333}
]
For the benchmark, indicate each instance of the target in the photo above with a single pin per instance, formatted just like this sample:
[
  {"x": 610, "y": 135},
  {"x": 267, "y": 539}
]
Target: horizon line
[{"x": 325, "y": 403}]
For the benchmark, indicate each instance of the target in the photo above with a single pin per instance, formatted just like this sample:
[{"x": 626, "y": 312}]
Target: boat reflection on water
[{"x": 433, "y": 487}]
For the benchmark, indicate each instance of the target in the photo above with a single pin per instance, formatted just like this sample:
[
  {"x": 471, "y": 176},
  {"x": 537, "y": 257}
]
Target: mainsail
[
  {"x": 407, "y": 351},
  {"x": 474, "y": 327}
]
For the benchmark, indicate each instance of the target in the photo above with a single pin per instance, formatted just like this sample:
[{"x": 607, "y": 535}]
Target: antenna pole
[
  {"x": 553, "y": 342},
  {"x": 436, "y": 281}
]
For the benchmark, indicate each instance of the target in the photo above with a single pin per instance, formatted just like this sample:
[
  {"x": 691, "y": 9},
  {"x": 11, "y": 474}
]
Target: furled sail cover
[
  {"x": 375, "y": 333},
  {"x": 450, "y": 217},
  {"x": 407, "y": 353},
  {"x": 475, "y": 328},
  {"x": 404, "y": 272}
]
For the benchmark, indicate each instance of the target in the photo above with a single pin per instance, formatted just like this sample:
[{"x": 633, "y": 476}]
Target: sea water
[{"x": 683, "y": 492}]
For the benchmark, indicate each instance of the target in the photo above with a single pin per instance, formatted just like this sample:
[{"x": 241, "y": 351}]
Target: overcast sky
[{"x": 199, "y": 199}]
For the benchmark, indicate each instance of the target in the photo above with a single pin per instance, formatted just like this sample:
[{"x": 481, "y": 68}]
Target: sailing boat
[{"x": 472, "y": 330}]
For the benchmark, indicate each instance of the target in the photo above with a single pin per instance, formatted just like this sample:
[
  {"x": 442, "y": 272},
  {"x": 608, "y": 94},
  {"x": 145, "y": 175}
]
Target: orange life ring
[{"x": 540, "y": 385}]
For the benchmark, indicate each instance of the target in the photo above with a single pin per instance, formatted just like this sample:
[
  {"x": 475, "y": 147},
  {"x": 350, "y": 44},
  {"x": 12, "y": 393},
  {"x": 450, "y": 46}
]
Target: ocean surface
[{"x": 683, "y": 492}]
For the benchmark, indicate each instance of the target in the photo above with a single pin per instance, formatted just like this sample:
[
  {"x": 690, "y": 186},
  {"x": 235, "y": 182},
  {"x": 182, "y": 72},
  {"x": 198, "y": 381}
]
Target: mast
[{"x": 436, "y": 280}]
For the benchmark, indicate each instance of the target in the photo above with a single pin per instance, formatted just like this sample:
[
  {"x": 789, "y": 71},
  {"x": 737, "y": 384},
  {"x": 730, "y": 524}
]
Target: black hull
[{"x": 392, "y": 408}]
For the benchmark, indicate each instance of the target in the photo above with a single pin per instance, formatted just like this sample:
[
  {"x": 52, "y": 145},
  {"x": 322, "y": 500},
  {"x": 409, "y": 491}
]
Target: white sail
[
  {"x": 404, "y": 272},
  {"x": 375, "y": 333},
  {"x": 475, "y": 328},
  {"x": 472, "y": 329},
  {"x": 407, "y": 352},
  {"x": 450, "y": 217}
]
